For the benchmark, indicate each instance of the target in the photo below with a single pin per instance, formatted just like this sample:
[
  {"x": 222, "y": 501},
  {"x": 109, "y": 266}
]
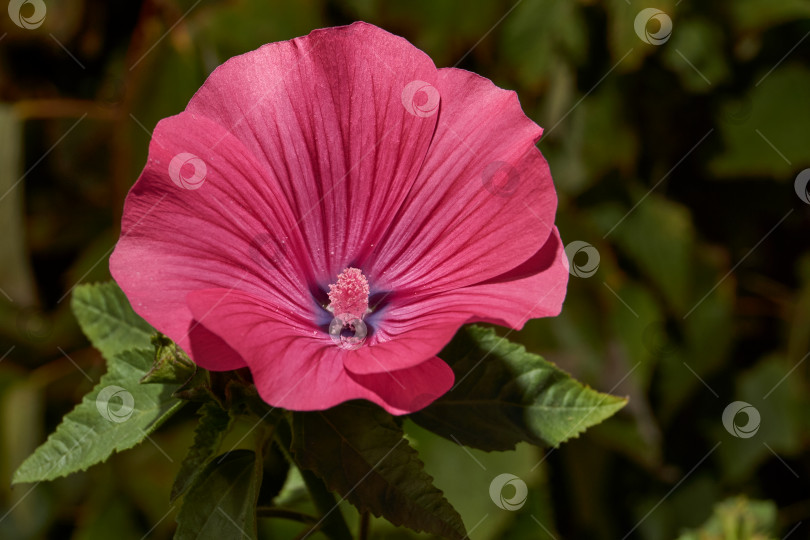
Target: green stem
[
  {"x": 364, "y": 526},
  {"x": 331, "y": 523},
  {"x": 283, "y": 513}
]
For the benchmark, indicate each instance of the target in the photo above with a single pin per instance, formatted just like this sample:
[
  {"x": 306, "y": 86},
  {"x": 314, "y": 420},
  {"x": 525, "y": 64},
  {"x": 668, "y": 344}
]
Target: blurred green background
[{"x": 675, "y": 161}]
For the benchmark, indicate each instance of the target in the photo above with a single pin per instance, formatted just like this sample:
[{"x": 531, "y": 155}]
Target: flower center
[
  {"x": 349, "y": 296},
  {"x": 348, "y": 302}
]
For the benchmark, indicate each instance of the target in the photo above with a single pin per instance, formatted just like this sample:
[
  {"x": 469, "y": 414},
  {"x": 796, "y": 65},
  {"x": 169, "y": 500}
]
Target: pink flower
[{"x": 340, "y": 182}]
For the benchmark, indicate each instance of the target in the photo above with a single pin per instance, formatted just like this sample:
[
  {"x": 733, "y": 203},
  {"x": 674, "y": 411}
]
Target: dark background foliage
[{"x": 676, "y": 162}]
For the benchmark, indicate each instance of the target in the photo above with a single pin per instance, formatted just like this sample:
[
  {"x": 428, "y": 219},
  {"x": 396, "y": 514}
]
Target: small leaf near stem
[
  {"x": 332, "y": 523},
  {"x": 172, "y": 364},
  {"x": 221, "y": 503},
  {"x": 212, "y": 425},
  {"x": 360, "y": 451}
]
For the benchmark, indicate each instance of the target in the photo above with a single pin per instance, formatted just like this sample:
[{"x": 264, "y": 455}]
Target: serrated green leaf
[
  {"x": 505, "y": 395},
  {"x": 108, "y": 321},
  {"x": 222, "y": 502},
  {"x": 86, "y": 437},
  {"x": 214, "y": 421},
  {"x": 360, "y": 452}
]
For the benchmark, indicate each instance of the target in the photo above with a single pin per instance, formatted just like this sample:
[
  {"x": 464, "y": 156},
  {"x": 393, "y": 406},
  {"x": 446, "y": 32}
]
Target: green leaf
[
  {"x": 172, "y": 364},
  {"x": 275, "y": 472},
  {"x": 359, "y": 451},
  {"x": 505, "y": 395},
  {"x": 108, "y": 321},
  {"x": 623, "y": 42},
  {"x": 769, "y": 137},
  {"x": 222, "y": 502},
  {"x": 769, "y": 387},
  {"x": 737, "y": 518},
  {"x": 752, "y": 16},
  {"x": 540, "y": 35},
  {"x": 214, "y": 421},
  {"x": 658, "y": 238},
  {"x": 116, "y": 415},
  {"x": 197, "y": 388},
  {"x": 697, "y": 51}
]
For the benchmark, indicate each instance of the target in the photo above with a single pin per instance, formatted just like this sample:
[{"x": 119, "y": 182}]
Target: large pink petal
[
  {"x": 406, "y": 332},
  {"x": 210, "y": 351},
  {"x": 534, "y": 289},
  {"x": 334, "y": 116},
  {"x": 297, "y": 367},
  {"x": 484, "y": 201},
  {"x": 232, "y": 230}
]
